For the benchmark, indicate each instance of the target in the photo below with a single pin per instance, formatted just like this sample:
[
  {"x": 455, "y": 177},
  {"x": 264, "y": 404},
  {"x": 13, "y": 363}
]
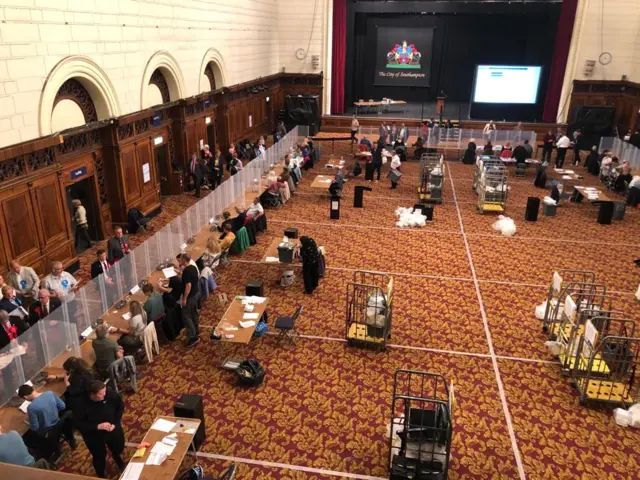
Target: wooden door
[{"x": 18, "y": 227}]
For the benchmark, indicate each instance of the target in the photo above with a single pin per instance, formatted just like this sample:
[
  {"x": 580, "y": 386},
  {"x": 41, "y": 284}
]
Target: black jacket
[
  {"x": 6, "y": 305},
  {"x": 96, "y": 269},
  {"x": 89, "y": 414},
  {"x": 36, "y": 313},
  {"x": 74, "y": 395},
  {"x": 114, "y": 252},
  {"x": 520, "y": 154},
  {"x": 4, "y": 338}
]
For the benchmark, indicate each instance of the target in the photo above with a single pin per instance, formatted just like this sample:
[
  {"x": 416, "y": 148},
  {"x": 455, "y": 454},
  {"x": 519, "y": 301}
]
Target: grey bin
[
  {"x": 618, "y": 210},
  {"x": 549, "y": 210}
]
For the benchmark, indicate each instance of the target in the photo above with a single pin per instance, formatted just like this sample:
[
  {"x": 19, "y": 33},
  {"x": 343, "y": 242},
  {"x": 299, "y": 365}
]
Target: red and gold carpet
[{"x": 324, "y": 407}]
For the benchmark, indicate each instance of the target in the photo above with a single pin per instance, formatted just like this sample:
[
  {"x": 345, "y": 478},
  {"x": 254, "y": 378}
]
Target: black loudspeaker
[
  {"x": 303, "y": 110},
  {"x": 605, "y": 214},
  {"x": 533, "y": 205},
  {"x": 254, "y": 287},
  {"x": 190, "y": 406},
  {"x": 291, "y": 232}
]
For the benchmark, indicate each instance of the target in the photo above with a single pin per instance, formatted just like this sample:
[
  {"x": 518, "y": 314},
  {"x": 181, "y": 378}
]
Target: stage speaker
[
  {"x": 190, "y": 406},
  {"x": 533, "y": 205},
  {"x": 254, "y": 287},
  {"x": 605, "y": 214},
  {"x": 291, "y": 232},
  {"x": 303, "y": 110}
]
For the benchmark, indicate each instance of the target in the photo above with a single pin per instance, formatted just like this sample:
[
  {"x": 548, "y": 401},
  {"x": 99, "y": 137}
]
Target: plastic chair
[
  {"x": 150, "y": 340},
  {"x": 286, "y": 325}
]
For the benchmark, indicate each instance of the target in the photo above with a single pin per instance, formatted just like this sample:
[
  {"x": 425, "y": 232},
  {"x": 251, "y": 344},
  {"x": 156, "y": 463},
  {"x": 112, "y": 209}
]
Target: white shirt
[
  {"x": 488, "y": 127},
  {"x": 635, "y": 182},
  {"x": 395, "y": 162},
  {"x": 564, "y": 142},
  {"x": 62, "y": 285},
  {"x": 255, "y": 210}
]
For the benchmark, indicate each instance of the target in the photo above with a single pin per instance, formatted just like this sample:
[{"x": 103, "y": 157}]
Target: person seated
[
  {"x": 45, "y": 423},
  {"x": 592, "y": 162},
  {"x": 633, "y": 197},
  {"x": 605, "y": 165},
  {"x": 469, "y": 156},
  {"x": 507, "y": 151},
  {"x": 14, "y": 451},
  {"x": 337, "y": 183},
  {"x": 295, "y": 172},
  {"x": 255, "y": 209},
  {"x": 286, "y": 178},
  {"x": 623, "y": 179},
  {"x": 153, "y": 306},
  {"x": 355, "y": 171},
  {"x": 9, "y": 300},
  {"x": 43, "y": 307},
  {"x": 10, "y": 328},
  {"x": 106, "y": 350},
  {"x": 226, "y": 220},
  {"x": 131, "y": 339},
  {"x": 528, "y": 149},
  {"x": 366, "y": 142},
  {"x": 227, "y": 238},
  {"x": 488, "y": 149},
  {"x": 276, "y": 186},
  {"x": 520, "y": 154}
]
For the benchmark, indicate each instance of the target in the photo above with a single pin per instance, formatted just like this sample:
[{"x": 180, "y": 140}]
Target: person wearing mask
[
  {"x": 131, "y": 339},
  {"x": 469, "y": 156},
  {"x": 82, "y": 225},
  {"x": 310, "y": 264},
  {"x": 43, "y": 307},
  {"x": 547, "y": 146},
  {"x": 190, "y": 316},
  {"x": 528, "y": 149},
  {"x": 14, "y": 451},
  {"x": 24, "y": 280},
  {"x": 99, "y": 420},
  {"x": 376, "y": 160},
  {"x": 562, "y": 145},
  {"x": 227, "y": 238},
  {"x": 196, "y": 173},
  {"x": 45, "y": 422},
  {"x": 106, "y": 350},
  {"x": 355, "y": 126},
  {"x": 394, "y": 171},
  {"x": 77, "y": 377},
  {"x": 118, "y": 246}
]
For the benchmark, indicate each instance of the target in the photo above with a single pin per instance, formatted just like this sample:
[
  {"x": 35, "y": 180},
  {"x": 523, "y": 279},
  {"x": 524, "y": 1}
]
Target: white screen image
[{"x": 506, "y": 84}]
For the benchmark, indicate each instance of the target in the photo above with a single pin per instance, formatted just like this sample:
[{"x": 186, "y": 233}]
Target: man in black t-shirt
[{"x": 190, "y": 300}]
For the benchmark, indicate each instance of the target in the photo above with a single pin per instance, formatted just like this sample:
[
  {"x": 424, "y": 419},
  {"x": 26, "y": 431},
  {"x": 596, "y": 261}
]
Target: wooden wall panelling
[
  {"x": 49, "y": 200},
  {"x": 129, "y": 176}
]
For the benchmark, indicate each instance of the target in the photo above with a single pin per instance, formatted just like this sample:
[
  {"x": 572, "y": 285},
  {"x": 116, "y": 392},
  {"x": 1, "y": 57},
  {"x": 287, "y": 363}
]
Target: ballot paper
[
  {"x": 24, "y": 406},
  {"x": 183, "y": 246},
  {"x": 86, "y": 332},
  {"x": 247, "y": 324},
  {"x": 126, "y": 316},
  {"x": 163, "y": 425},
  {"x": 566, "y": 177},
  {"x": 156, "y": 458},
  {"x": 28, "y": 382},
  {"x": 134, "y": 290},
  {"x": 19, "y": 350},
  {"x": 252, "y": 299},
  {"x": 5, "y": 360},
  {"x": 169, "y": 272},
  {"x": 132, "y": 472},
  {"x": 163, "y": 448},
  {"x": 250, "y": 316},
  {"x": 18, "y": 312},
  {"x": 272, "y": 259}
]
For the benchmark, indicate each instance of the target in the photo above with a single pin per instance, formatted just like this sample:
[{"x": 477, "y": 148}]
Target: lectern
[{"x": 440, "y": 105}]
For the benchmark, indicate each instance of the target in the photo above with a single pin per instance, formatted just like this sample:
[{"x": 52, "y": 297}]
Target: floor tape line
[{"x": 494, "y": 360}]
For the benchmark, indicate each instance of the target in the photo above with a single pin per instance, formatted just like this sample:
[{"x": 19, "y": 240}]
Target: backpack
[
  {"x": 250, "y": 373},
  {"x": 261, "y": 329},
  {"x": 194, "y": 473}
]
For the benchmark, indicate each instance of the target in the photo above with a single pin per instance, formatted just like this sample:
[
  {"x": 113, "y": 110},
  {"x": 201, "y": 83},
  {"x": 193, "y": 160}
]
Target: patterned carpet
[{"x": 324, "y": 407}]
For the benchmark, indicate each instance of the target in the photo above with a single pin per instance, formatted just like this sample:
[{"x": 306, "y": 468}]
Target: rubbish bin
[
  {"x": 618, "y": 210},
  {"x": 549, "y": 210}
]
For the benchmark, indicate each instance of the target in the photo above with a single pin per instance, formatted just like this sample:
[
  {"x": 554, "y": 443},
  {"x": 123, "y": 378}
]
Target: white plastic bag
[
  {"x": 554, "y": 347},
  {"x": 548, "y": 200},
  {"x": 540, "y": 309},
  {"x": 622, "y": 417},
  {"x": 634, "y": 410},
  {"x": 638, "y": 293}
]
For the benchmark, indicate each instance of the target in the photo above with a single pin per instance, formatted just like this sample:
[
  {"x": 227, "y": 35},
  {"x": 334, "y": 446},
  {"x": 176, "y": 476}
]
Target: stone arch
[
  {"x": 92, "y": 79},
  {"x": 213, "y": 65},
  {"x": 170, "y": 70}
]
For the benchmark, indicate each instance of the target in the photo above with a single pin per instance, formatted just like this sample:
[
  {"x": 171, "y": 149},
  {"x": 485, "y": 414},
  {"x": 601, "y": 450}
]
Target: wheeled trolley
[
  {"x": 559, "y": 280},
  {"x": 369, "y": 303},
  {"x": 431, "y": 178},
  {"x": 484, "y": 161},
  {"x": 492, "y": 189},
  {"x": 614, "y": 381},
  {"x": 421, "y": 426}
]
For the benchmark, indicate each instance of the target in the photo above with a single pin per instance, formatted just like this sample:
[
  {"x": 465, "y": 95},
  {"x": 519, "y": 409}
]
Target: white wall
[
  {"x": 254, "y": 38},
  {"x": 603, "y": 26}
]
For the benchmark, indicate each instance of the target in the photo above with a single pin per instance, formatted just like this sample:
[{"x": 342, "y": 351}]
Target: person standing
[
  {"x": 195, "y": 170},
  {"x": 394, "y": 170},
  {"x": 383, "y": 132},
  {"x": 82, "y": 225},
  {"x": 355, "y": 126},
  {"x": 376, "y": 159},
  {"x": 562, "y": 145},
  {"x": 310, "y": 264},
  {"x": 517, "y": 132},
  {"x": 216, "y": 169},
  {"x": 576, "y": 146},
  {"x": 547, "y": 146},
  {"x": 190, "y": 315},
  {"x": 118, "y": 246},
  {"x": 488, "y": 131},
  {"x": 99, "y": 421}
]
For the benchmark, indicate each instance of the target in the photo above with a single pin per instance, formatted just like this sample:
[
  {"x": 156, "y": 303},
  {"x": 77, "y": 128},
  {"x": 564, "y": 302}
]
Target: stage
[{"x": 452, "y": 110}]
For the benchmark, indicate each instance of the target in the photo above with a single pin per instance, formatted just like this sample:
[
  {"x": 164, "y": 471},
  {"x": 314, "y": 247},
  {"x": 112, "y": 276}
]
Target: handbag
[{"x": 394, "y": 175}]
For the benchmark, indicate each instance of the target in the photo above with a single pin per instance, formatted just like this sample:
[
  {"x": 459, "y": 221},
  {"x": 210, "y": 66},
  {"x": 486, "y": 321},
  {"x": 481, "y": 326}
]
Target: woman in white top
[
  {"x": 355, "y": 126},
  {"x": 394, "y": 168},
  {"x": 82, "y": 226},
  {"x": 131, "y": 339}
]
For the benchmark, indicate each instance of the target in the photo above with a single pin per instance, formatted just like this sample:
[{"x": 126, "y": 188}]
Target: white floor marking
[{"x": 494, "y": 361}]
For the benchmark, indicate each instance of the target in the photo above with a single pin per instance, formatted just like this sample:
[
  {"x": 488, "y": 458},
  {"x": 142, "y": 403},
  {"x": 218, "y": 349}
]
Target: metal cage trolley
[
  {"x": 421, "y": 426},
  {"x": 483, "y": 161},
  {"x": 614, "y": 381},
  {"x": 431, "y": 178},
  {"x": 369, "y": 304},
  {"x": 492, "y": 189},
  {"x": 559, "y": 280}
]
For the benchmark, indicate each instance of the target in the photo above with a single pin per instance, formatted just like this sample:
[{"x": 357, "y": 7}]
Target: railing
[
  {"x": 60, "y": 331},
  {"x": 621, "y": 149}
]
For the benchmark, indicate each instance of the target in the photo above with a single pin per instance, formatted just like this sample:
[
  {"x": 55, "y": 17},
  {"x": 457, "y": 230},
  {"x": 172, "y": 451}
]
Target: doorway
[
  {"x": 161, "y": 154},
  {"x": 84, "y": 190},
  {"x": 211, "y": 137}
]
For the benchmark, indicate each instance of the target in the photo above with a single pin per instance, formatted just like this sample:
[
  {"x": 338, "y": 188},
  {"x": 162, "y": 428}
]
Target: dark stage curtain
[
  {"x": 339, "y": 55},
  {"x": 560, "y": 56}
]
